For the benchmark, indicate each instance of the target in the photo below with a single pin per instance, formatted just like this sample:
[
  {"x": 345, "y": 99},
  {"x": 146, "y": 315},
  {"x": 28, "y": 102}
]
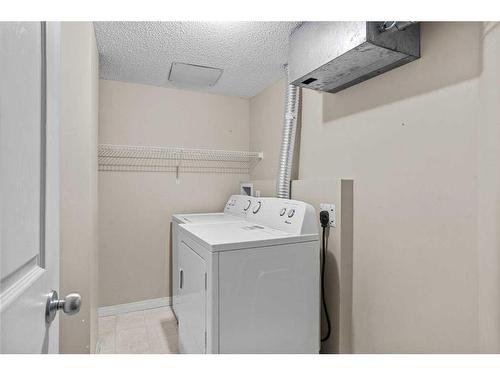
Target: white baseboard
[{"x": 134, "y": 306}]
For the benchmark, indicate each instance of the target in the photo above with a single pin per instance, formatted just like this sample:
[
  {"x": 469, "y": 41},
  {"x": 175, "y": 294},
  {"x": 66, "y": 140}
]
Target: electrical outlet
[{"x": 330, "y": 207}]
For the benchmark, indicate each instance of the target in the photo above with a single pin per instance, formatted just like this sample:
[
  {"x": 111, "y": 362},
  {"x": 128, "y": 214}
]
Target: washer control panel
[
  {"x": 284, "y": 214},
  {"x": 239, "y": 205},
  {"x": 248, "y": 204},
  {"x": 257, "y": 206}
]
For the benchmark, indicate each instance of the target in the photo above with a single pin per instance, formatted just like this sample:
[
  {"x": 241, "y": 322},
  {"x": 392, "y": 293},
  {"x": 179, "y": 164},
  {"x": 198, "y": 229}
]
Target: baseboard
[{"x": 134, "y": 306}]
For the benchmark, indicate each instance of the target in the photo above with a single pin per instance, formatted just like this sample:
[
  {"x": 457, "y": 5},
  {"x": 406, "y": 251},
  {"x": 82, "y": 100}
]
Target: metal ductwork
[
  {"x": 288, "y": 139},
  {"x": 395, "y": 25},
  {"x": 332, "y": 56}
]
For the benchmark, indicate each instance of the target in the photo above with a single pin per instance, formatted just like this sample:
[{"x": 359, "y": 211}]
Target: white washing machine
[
  {"x": 235, "y": 209},
  {"x": 251, "y": 286}
]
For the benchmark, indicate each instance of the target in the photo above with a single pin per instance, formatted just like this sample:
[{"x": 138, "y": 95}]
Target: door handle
[
  {"x": 70, "y": 305},
  {"x": 181, "y": 278}
]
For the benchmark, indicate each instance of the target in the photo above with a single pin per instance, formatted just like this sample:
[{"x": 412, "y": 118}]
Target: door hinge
[
  {"x": 205, "y": 341},
  {"x": 205, "y": 281}
]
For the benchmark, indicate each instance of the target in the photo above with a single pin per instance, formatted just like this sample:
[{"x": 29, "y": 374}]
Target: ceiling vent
[{"x": 191, "y": 75}]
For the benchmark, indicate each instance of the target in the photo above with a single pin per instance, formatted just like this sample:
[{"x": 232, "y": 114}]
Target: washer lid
[
  {"x": 241, "y": 235},
  {"x": 216, "y": 217},
  {"x": 235, "y": 209}
]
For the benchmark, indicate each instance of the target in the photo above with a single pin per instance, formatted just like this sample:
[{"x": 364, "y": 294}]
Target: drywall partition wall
[
  {"x": 413, "y": 156},
  {"x": 338, "y": 279},
  {"x": 489, "y": 191},
  {"x": 422, "y": 145},
  {"x": 135, "y": 208},
  {"x": 78, "y": 205}
]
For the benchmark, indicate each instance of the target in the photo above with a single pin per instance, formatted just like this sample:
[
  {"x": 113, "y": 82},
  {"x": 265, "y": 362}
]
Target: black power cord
[{"x": 324, "y": 219}]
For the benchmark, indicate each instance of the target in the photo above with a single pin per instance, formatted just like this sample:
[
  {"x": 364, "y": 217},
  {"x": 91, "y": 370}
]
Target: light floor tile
[
  {"x": 107, "y": 341},
  {"x": 130, "y": 320},
  {"x": 164, "y": 346},
  {"x": 152, "y": 331},
  {"x": 107, "y": 324},
  {"x": 132, "y": 341},
  {"x": 161, "y": 329},
  {"x": 161, "y": 314}
]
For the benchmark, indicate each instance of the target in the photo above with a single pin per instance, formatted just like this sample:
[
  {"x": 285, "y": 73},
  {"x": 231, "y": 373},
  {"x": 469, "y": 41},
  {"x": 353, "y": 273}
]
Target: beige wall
[
  {"x": 135, "y": 208},
  {"x": 413, "y": 161},
  {"x": 78, "y": 205},
  {"x": 489, "y": 191},
  {"x": 421, "y": 144},
  {"x": 266, "y": 117}
]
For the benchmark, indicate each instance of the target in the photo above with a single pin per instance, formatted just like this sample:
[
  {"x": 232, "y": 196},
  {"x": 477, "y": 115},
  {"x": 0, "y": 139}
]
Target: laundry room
[
  {"x": 357, "y": 149},
  {"x": 250, "y": 187}
]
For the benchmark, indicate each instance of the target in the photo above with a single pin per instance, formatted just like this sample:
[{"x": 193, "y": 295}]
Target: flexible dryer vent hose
[{"x": 288, "y": 139}]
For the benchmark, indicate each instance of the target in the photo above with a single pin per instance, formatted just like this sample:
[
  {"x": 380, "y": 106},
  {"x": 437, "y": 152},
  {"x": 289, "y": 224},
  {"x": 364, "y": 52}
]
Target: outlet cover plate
[{"x": 332, "y": 211}]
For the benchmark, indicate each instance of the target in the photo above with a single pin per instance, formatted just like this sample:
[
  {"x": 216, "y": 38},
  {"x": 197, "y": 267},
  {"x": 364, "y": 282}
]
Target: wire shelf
[{"x": 174, "y": 159}]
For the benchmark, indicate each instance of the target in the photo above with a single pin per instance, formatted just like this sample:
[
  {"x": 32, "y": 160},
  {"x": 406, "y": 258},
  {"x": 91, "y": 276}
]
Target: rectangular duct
[{"x": 332, "y": 56}]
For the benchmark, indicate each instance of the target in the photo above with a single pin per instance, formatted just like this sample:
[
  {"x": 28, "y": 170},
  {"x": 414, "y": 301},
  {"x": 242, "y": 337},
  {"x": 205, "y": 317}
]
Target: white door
[
  {"x": 29, "y": 185},
  {"x": 192, "y": 301}
]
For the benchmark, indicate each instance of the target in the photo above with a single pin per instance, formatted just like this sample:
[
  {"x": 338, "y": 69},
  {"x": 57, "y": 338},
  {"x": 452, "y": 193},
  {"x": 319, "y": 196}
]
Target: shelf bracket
[{"x": 177, "y": 180}]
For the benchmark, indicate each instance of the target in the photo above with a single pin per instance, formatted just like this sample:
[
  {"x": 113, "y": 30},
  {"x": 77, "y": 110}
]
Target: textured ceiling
[{"x": 252, "y": 54}]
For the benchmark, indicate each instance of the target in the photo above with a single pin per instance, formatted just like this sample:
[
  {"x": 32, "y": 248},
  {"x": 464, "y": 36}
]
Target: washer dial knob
[
  {"x": 257, "y": 207},
  {"x": 291, "y": 212},
  {"x": 282, "y": 212},
  {"x": 249, "y": 203}
]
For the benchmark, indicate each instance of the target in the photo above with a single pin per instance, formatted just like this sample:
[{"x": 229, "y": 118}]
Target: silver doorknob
[{"x": 70, "y": 305}]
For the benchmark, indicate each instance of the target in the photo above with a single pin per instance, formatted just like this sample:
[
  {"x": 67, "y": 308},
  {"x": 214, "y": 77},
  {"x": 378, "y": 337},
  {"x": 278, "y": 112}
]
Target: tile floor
[{"x": 151, "y": 331}]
